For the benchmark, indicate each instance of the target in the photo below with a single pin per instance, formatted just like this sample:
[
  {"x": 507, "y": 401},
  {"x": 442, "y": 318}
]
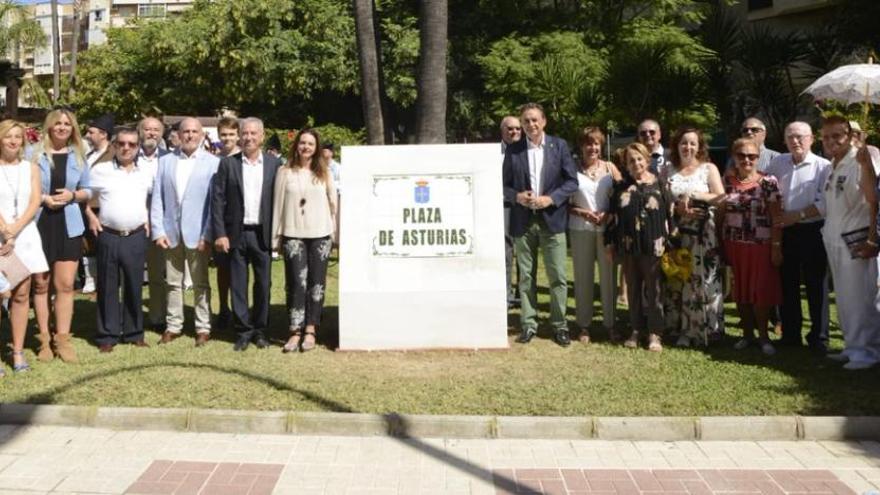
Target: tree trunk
[
  {"x": 56, "y": 54},
  {"x": 74, "y": 50},
  {"x": 371, "y": 69},
  {"x": 431, "y": 100}
]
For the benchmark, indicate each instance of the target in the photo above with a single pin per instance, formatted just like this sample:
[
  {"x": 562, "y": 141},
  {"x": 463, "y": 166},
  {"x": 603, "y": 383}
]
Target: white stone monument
[{"x": 422, "y": 252}]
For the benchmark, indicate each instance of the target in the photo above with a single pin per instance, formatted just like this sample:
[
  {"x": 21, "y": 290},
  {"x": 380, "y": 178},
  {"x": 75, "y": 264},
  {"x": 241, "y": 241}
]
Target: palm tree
[
  {"x": 56, "y": 54},
  {"x": 371, "y": 69},
  {"x": 431, "y": 99}
]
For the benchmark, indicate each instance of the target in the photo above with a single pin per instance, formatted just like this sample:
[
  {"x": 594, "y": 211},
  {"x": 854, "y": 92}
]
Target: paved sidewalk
[{"x": 49, "y": 459}]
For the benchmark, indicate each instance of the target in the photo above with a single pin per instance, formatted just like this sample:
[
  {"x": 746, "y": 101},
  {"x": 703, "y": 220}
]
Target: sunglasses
[
  {"x": 747, "y": 156},
  {"x": 649, "y": 132},
  {"x": 751, "y": 130}
]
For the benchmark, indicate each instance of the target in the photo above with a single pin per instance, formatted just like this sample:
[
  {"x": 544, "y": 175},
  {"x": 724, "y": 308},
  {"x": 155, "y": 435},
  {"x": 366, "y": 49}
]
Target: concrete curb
[{"x": 413, "y": 425}]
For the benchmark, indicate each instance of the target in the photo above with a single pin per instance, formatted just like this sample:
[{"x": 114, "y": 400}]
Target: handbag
[{"x": 13, "y": 269}]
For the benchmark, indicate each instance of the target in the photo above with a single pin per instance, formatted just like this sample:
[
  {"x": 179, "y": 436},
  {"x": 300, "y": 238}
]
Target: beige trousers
[{"x": 176, "y": 260}]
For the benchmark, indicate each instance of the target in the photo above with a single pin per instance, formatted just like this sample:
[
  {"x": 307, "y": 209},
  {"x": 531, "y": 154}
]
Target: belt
[
  {"x": 123, "y": 233},
  {"x": 251, "y": 227}
]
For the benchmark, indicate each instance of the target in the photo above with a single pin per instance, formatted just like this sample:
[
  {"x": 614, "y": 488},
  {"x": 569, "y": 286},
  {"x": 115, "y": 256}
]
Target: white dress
[{"x": 15, "y": 181}]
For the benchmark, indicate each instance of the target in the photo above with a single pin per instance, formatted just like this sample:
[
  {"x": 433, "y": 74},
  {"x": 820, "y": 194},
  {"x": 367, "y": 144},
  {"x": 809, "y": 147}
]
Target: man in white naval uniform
[{"x": 851, "y": 207}]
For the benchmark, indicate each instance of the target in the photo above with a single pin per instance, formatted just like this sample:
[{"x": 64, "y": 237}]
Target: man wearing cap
[
  {"x": 121, "y": 187},
  {"x": 180, "y": 214},
  {"x": 150, "y": 130},
  {"x": 98, "y": 135}
]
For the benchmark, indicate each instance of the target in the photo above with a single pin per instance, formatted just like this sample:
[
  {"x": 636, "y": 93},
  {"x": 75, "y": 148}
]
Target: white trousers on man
[
  {"x": 856, "y": 294},
  {"x": 588, "y": 250}
]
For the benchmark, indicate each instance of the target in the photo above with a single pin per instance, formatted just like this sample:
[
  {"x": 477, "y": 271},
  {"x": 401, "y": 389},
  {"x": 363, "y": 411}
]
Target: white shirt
[
  {"x": 593, "y": 195},
  {"x": 252, "y": 187},
  {"x": 335, "y": 173},
  {"x": 93, "y": 155},
  {"x": 122, "y": 195},
  {"x": 149, "y": 164},
  {"x": 845, "y": 206},
  {"x": 185, "y": 166},
  {"x": 801, "y": 184},
  {"x": 536, "y": 163}
]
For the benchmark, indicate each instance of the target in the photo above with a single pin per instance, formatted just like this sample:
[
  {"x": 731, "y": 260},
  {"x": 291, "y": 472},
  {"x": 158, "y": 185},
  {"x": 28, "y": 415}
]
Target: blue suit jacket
[
  {"x": 77, "y": 178},
  {"x": 558, "y": 180},
  {"x": 191, "y": 217}
]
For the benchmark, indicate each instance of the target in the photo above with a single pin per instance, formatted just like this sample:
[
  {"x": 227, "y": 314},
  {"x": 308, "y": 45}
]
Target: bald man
[{"x": 179, "y": 215}]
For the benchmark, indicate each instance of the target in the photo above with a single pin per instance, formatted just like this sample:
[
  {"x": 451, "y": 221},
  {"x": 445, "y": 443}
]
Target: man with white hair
[
  {"x": 241, "y": 206},
  {"x": 511, "y": 132},
  {"x": 150, "y": 130},
  {"x": 802, "y": 176}
]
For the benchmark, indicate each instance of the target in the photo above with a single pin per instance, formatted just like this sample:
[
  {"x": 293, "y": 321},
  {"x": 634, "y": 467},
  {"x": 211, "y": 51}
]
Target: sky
[{"x": 30, "y": 2}]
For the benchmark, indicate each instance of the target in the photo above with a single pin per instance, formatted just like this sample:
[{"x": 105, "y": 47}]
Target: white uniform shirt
[
  {"x": 801, "y": 184},
  {"x": 122, "y": 195},
  {"x": 252, "y": 187},
  {"x": 536, "y": 163},
  {"x": 845, "y": 206}
]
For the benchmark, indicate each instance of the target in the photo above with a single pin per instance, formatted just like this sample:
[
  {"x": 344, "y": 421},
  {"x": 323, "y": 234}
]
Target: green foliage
[
  {"x": 246, "y": 55},
  {"x": 17, "y": 31}
]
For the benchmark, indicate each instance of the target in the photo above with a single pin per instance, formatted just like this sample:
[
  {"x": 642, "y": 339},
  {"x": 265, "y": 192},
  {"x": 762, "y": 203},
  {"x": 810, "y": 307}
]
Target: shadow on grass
[{"x": 396, "y": 425}]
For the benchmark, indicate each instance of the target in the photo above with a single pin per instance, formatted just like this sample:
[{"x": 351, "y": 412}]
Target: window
[
  {"x": 99, "y": 15},
  {"x": 759, "y": 4},
  {"x": 151, "y": 10}
]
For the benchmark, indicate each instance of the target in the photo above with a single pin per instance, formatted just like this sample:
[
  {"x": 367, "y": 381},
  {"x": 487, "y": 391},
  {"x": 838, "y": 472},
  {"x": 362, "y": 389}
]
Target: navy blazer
[
  {"x": 558, "y": 180},
  {"x": 227, "y": 200}
]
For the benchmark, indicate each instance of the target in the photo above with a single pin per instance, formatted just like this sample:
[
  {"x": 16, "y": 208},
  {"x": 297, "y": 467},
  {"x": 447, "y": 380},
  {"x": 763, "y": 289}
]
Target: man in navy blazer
[
  {"x": 180, "y": 213},
  {"x": 539, "y": 176},
  {"x": 242, "y": 219}
]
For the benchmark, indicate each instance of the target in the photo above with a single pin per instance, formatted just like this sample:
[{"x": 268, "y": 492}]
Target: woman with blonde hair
[
  {"x": 19, "y": 201},
  {"x": 64, "y": 179},
  {"x": 303, "y": 221}
]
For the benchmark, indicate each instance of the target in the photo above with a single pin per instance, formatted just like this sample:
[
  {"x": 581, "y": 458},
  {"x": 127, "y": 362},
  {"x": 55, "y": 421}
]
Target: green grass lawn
[{"x": 537, "y": 379}]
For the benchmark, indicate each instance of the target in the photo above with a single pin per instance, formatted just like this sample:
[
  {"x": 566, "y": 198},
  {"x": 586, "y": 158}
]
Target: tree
[
  {"x": 370, "y": 66},
  {"x": 56, "y": 53},
  {"x": 18, "y": 32},
  {"x": 431, "y": 100}
]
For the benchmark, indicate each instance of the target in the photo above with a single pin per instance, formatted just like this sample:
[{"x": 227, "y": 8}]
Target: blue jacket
[
  {"x": 558, "y": 178},
  {"x": 191, "y": 218},
  {"x": 77, "y": 178}
]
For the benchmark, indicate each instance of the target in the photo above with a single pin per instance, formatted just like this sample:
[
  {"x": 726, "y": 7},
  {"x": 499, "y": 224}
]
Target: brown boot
[
  {"x": 44, "y": 352},
  {"x": 64, "y": 348}
]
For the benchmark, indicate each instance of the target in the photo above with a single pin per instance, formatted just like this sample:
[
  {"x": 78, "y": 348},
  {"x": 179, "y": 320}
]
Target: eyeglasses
[
  {"x": 747, "y": 156},
  {"x": 751, "y": 130},
  {"x": 648, "y": 132},
  {"x": 126, "y": 144}
]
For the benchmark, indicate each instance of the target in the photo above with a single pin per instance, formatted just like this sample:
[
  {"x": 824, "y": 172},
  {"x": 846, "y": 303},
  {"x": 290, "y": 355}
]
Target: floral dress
[
  {"x": 638, "y": 219},
  {"x": 695, "y": 308}
]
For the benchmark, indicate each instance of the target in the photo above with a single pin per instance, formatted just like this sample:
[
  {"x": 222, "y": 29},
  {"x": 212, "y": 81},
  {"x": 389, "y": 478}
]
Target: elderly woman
[
  {"x": 695, "y": 308},
  {"x": 303, "y": 221},
  {"x": 64, "y": 178},
  {"x": 19, "y": 201},
  {"x": 586, "y": 222},
  {"x": 637, "y": 234},
  {"x": 752, "y": 246}
]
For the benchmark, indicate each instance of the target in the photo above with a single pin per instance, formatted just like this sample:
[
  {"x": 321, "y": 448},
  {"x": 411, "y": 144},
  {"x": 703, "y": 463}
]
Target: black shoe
[
  {"x": 261, "y": 342},
  {"x": 818, "y": 349},
  {"x": 224, "y": 320},
  {"x": 562, "y": 338},
  {"x": 788, "y": 343},
  {"x": 241, "y": 344},
  {"x": 526, "y": 336}
]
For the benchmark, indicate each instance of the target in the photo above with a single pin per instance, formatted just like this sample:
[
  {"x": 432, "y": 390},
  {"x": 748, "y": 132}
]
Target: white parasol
[{"x": 859, "y": 83}]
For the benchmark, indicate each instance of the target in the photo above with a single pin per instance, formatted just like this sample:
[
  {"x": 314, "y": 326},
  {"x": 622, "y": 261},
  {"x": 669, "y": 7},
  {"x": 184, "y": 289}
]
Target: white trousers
[
  {"x": 855, "y": 290},
  {"x": 587, "y": 250}
]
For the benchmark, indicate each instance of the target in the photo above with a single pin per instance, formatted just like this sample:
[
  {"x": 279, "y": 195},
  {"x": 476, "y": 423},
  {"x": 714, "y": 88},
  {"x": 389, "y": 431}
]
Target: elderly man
[
  {"x": 539, "y": 176},
  {"x": 122, "y": 189},
  {"x": 650, "y": 135},
  {"x": 755, "y": 130},
  {"x": 242, "y": 220},
  {"x": 511, "y": 132},
  {"x": 802, "y": 176},
  {"x": 150, "y": 130},
  {"x": 180, "y": 214},
  {"x": 850, "y": 239}
]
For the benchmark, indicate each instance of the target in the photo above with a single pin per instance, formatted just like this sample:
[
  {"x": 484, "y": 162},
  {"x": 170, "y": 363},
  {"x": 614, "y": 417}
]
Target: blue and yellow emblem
[{"x": 422, "y": 192}]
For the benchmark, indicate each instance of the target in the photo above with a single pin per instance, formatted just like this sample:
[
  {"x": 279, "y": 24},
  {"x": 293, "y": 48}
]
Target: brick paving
[
  {"x": 668, "y": 481},
  {"x": 73, "y": 460}
]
